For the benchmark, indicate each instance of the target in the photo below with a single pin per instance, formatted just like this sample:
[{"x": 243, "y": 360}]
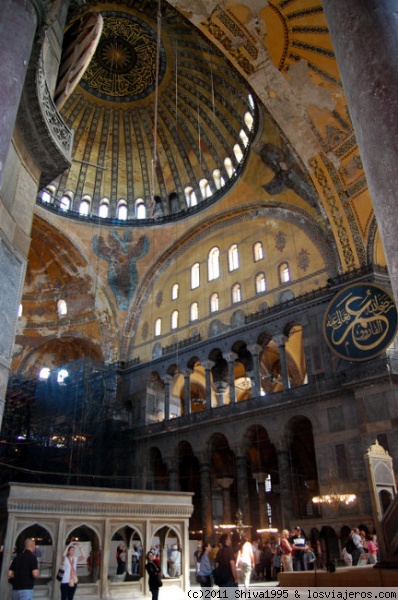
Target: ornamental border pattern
[{"x": 116, "y": 510}]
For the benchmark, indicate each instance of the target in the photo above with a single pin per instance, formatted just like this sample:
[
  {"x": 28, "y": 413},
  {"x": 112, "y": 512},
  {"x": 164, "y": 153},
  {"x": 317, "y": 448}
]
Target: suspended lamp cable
[{"x": 155, "y": 123}]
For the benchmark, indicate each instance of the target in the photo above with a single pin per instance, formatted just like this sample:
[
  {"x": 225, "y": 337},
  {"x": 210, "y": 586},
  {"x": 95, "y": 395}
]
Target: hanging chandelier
[{"x": 334, "y": 497}]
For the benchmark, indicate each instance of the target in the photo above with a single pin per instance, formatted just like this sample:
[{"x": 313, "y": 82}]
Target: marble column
[
  {"x": 286, "y": 489},
  {"x": 262, "y": 501},
  {"x": 308, "y": 362},
  {"x": 255, "y": 351},
  {"x": 230, "y": 357},
  {"x": 225, "y": 484},
  {"x": 206, "y": 500},
  {"x": 208, "y": 365},
  {"x": 187, "y": 391},
  {"x": 281, "y": 340},
  {"x": 19, "y": 21},
  {"x": 243, "y": 488},
  {"x": 167, "y": 382},
  {"x": 364, "y": 34},
  {"x": 173, "y": 482}
]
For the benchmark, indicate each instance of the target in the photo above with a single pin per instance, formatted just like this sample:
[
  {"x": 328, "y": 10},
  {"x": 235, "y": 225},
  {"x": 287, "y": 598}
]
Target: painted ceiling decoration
[{"x": 198, "y": 106}]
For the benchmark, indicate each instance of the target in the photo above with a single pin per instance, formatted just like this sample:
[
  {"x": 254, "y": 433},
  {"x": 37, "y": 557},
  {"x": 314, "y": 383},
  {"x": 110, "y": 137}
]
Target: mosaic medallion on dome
[{"x": 123, "y": 68}]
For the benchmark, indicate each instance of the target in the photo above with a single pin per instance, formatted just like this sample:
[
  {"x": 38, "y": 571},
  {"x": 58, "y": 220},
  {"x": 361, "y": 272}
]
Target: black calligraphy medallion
[{"x": 360, "y": 322}]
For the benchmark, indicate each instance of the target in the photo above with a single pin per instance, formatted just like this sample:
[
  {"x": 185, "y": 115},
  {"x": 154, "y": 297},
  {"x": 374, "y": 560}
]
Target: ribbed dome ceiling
[{"x": 201, "y": 111}]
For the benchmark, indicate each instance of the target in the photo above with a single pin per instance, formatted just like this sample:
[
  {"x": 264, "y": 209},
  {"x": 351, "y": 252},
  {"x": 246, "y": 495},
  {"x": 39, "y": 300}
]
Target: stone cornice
[{"x": 97, "y": 509}]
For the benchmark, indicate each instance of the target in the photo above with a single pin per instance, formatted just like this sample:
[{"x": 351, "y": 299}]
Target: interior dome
[{"x": 162, "y": 124}]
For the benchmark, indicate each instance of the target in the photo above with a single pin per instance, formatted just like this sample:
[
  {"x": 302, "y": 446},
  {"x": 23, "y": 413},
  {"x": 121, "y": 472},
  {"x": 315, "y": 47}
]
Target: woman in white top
[{"x": 69, "y": 578}]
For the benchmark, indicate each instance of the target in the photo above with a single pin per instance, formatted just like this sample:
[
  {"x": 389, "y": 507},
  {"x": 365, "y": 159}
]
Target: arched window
[
  {"x": 261, "y": 284},
  {"x": 229, "y": 167},
  {"x": 122, "y": 210},
  {"x": 44, "y": 373},
  {"x": 62, "y": 375},
  {"x": 194, "y": 312},
  {"x": 249, "y": 121},
  {"x": 238, "y": 152},
  {"x": 213, "y": 264},
  {"x": 205, "y": 188},
  {"x": 243, "y": 137},
  {"x": 219, "y": 181},
  {"x": 233, "y": 257},
  {"x": 174, "y": 319},
  {"x": 236, "y": 293},
  {"x": 158, "y": 326},
  {"x": 20, "y": 311},
  {"x": 195, "y": 276},
  {"x": 174, "y": 291},
  {"x": 251, "y": 101},
  {"x": 214, "y": 302},
  {"x": 140, "y": 209},
  {"x": 65, "y": 202},
  {"x": 62, "y": 308},
  {"x": 84, "y": 206},
  {"x": 258, "y": 251},
  {"x": 284, "y": 272},
  {"x": 190, "y": 197},
  {"x": 46, "y": 196},
  {"x": 103, "y": 210}
]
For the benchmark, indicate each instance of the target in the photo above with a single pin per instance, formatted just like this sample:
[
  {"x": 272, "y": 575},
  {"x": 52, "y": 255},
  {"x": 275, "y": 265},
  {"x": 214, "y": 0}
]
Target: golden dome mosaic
[{"x": 123, "y": 68}]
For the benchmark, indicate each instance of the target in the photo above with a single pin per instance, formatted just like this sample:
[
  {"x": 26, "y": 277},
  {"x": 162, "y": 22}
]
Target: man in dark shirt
[
  {"x": 225, "y": 563},
  {"x": 23, "y": 571}
]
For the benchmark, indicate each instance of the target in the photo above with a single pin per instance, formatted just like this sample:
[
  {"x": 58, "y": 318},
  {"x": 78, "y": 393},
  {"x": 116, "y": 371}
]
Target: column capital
[
  {"x": 255, "y": 348},
  {"x": 230, "y": 356},
  {"x": 208, "y": 364},
  {"x": 225, "y": 482},
  {"x": 280, "y": 339},
  {"x": 260, "y": 476},
  {"x": 186, "y": 372}
]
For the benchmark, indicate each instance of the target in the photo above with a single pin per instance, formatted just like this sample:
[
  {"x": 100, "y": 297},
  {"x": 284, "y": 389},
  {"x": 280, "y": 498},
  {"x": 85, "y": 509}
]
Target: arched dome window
[
  {"x": 249, "y": 121},
  {"x": 229, "y": 167},
  {"x": 140, "y": 209},
  {"x": 84, "y": 206},
  {"x": 205, "y": 188},
  {"x": 122, "y": 210},
  {"x": 251, "y": 101},
  {"x": 238, "y": 152},
  {"x": 243, "y": 137},
  {"x": 219, "y": 181},
  {"x": 190, "y": 197},
  {"x": 66, "y": 201},
  {"x": 47, "y": 195},
  {"x": 103, "y": 210}
]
